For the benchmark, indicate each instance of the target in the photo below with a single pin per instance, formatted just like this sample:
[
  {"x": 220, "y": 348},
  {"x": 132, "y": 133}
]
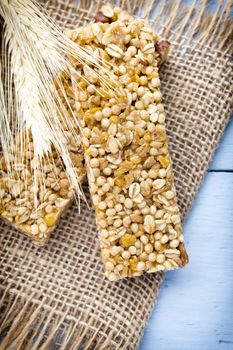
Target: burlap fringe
[
  {"x": 195, "y": 26},
  {"x": 27, "y": 325}
]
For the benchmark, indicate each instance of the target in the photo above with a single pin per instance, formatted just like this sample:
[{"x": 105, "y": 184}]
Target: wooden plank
[
  {"x": 195, "y": 307},
  {"x": 223, "y": 159}
]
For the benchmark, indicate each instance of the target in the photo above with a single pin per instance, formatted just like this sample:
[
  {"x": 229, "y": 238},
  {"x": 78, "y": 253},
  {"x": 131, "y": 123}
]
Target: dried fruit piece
[
  {"x": 162, "y": 47},
  {"x": 164, "y": 161},
  {"x": 127, "y": 240},
  {"x": 100, "y": 17},
  {"x": 50, "y": 219}
]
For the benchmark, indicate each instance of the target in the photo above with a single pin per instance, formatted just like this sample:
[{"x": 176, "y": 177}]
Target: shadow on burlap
[{"x": 57, "y": 296}]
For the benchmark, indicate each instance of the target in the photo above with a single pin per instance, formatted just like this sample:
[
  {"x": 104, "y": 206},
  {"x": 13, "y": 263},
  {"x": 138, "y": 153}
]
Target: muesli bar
[
  {"x": 55, "y": 194},
  {"x": 126, "y": 148}
]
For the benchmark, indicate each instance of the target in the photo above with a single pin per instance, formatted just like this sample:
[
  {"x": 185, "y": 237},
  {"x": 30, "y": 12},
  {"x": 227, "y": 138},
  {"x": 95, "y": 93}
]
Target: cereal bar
[
  {"x": 55, "y": 194},
  {"x": 126, "y": 148}
]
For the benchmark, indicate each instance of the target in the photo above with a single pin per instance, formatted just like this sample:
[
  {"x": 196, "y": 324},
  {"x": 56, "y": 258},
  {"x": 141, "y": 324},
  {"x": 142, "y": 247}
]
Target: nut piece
[
  {"x": 100, "y": 17},
  {"x": 162, "y": 47}
]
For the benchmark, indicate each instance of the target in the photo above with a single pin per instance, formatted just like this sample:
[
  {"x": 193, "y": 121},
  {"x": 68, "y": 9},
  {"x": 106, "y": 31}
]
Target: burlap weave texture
[{"x": 58, "y": 294}]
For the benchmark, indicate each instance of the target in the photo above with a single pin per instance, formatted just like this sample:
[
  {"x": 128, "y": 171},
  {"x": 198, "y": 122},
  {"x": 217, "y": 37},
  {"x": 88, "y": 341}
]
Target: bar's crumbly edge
[
  {"x": 126, "y": 148},
  {"x": 17, "y": 206}
]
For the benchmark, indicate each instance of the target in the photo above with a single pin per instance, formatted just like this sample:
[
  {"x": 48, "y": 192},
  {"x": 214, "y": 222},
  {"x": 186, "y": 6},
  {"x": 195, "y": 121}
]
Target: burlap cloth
[{"x": 57, "y": 296}]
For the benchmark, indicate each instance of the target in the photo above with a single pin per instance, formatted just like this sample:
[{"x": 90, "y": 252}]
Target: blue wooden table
[{"x": 195, "y": 305}]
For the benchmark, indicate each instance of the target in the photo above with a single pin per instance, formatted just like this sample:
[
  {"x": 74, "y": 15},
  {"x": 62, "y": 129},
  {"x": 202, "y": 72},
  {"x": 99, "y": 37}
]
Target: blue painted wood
[
  {"x": 223, "y": 159},
  {"x": 195, "y": 305}
]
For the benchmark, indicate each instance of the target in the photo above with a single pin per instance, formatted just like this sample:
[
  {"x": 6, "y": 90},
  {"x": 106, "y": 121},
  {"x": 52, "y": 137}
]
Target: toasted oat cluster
[
  {"x": 17, "y": 192},
  {"x": 126, "y": 148}
]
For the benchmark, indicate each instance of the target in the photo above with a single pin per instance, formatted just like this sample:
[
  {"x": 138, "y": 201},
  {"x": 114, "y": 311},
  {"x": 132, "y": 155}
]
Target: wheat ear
[{"x": 37, "y": 52}]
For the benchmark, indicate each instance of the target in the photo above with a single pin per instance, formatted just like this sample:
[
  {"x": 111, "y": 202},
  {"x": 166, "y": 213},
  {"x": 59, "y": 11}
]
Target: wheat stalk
[
  {"x": 5, "y": 135},
  {"x": 37, "y": 51}
]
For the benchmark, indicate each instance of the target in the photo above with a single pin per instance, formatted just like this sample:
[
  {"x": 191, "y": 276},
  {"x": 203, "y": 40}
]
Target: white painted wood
[
  {"x": 195, "y": 306},
  {"x": 223, "y": 159}
]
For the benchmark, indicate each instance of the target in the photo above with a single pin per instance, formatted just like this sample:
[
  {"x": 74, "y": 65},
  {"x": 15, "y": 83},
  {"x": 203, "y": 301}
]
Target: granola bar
[
  {"x": 55, "y": 193},
  {"x": 126, "y": 148}
]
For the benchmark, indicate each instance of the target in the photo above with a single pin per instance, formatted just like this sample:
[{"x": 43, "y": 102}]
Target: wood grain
[{"x": 223, "y": 159}]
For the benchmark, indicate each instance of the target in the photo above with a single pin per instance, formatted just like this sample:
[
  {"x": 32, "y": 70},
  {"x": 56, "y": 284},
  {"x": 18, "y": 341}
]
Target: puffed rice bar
[
  {"x": 54, "y": 197},
  {"x": 126, "y": 148}
]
